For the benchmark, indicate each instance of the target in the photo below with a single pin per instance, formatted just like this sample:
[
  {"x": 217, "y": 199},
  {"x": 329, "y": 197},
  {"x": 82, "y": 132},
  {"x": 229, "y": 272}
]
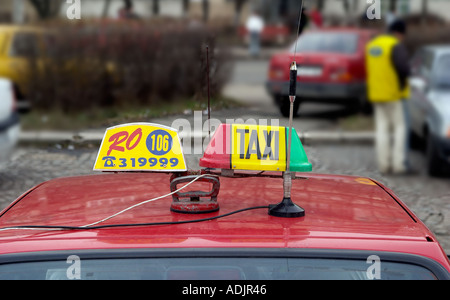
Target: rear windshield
[
  {"x": 338, "y": 42},
  {"x": 212, "y": 268}
]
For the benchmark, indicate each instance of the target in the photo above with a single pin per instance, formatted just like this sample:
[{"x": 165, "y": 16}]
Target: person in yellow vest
[{"x": 387, "y": 86}]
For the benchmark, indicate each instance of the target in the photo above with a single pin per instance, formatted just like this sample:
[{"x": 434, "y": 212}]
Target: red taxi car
[
  {"x": 126, "y": 225},
  {"x": 331, "y": 68}
]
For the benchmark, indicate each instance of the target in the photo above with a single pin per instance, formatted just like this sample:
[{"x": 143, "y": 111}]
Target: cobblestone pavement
[{"x": 429, "y": 198}]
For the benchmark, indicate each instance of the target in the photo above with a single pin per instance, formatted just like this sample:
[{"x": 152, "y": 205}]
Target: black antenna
[
  {"x": 293, "y": 89},
  {"x": 298, "y": 27},
  {"x": 286, "y": 208},
  {"x": 209, "y": 104}
]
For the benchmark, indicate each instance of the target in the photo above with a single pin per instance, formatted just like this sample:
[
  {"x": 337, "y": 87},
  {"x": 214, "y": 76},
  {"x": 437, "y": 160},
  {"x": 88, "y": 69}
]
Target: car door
[{"x": 419, "y": 81}]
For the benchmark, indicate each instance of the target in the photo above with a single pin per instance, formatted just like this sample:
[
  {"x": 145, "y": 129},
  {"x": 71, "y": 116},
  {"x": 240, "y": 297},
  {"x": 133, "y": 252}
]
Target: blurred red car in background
[
  {"x": 331, "y": 68},
  {"x": 271, "y": 34}
]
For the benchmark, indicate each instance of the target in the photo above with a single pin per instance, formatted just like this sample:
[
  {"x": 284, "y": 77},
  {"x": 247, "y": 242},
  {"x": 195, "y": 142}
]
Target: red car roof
[{"x": 342, "y": 212}]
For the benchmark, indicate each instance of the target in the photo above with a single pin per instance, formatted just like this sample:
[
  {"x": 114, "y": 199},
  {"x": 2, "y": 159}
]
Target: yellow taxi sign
[
  {"x": 140, "y": 147},
  {"x": 254, "y": 147},
  {"x": 258, "y": 147}
]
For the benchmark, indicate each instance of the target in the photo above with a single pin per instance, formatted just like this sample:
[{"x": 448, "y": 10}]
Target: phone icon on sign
[{"x": 109, "y": 161}]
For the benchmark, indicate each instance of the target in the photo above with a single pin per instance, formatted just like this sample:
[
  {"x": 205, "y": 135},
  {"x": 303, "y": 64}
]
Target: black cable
[{"x": 131, "y": 224}]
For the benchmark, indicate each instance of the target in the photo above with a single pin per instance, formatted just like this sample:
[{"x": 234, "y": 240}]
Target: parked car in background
[
  {"x": 30, "y": 55},
  {"x": 276, "y": 34},
  {"x": 429, "y": 105},
  {"x": 331, "y": 68},
  {"x": 16, "y": 44},
  {"x": 9, "y": 119}
]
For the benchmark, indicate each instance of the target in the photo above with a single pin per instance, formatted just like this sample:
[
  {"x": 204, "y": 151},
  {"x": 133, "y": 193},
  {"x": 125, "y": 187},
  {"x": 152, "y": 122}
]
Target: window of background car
[
  {"x": 213, "y": 268},
  {"x": 3, "y": 39},
  {"x": 327, "y": 42},
  {"x": 441, "y": 75},
  {"x": 416, "y": 63},
  {"x": 24, "y": 44},
  {"x": 428, "y": 59}
]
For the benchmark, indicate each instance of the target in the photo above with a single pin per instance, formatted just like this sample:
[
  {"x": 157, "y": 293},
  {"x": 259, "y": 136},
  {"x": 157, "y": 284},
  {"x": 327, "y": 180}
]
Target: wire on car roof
[
  {"x": 92, "y": 225},
  {"x": 56, "y": 227}
]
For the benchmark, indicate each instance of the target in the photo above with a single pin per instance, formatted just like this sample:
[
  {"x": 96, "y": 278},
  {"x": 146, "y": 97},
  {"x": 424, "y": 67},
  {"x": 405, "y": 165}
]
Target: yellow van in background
[
  {"x": 16, "y": 44},
  {"x": 28, "y": 56}
]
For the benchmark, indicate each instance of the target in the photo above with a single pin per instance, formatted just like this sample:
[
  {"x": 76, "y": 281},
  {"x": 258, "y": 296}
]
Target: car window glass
[
  {"x": 428, "y": 59},
  {"x": 416, "y": 63},
  {"x": 3, "y": 38},
  {"x": 441, "y": 72},
  {"x": 212, "y": 268},
  {"x": 24, "y": 44},
  {"x": 327, "y": 42}
]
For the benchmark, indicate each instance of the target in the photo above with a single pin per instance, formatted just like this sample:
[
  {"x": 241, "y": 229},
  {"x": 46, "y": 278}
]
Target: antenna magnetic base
[{"x": 286, "y": 209}]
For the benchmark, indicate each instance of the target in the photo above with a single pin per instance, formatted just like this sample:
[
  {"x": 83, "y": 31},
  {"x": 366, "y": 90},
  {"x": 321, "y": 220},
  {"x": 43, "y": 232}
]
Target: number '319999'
[{"x": 152, "y": 161}]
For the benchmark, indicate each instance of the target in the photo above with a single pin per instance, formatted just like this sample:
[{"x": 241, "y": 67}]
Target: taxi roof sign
[
  {"x": 254, "y": 147},
  {"x": 140, "y": 147}
]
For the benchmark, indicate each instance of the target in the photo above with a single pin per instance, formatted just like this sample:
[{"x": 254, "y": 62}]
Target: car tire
[
  {"x": 434, "y": 163},
  {"x": 285, "y": 106}
]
